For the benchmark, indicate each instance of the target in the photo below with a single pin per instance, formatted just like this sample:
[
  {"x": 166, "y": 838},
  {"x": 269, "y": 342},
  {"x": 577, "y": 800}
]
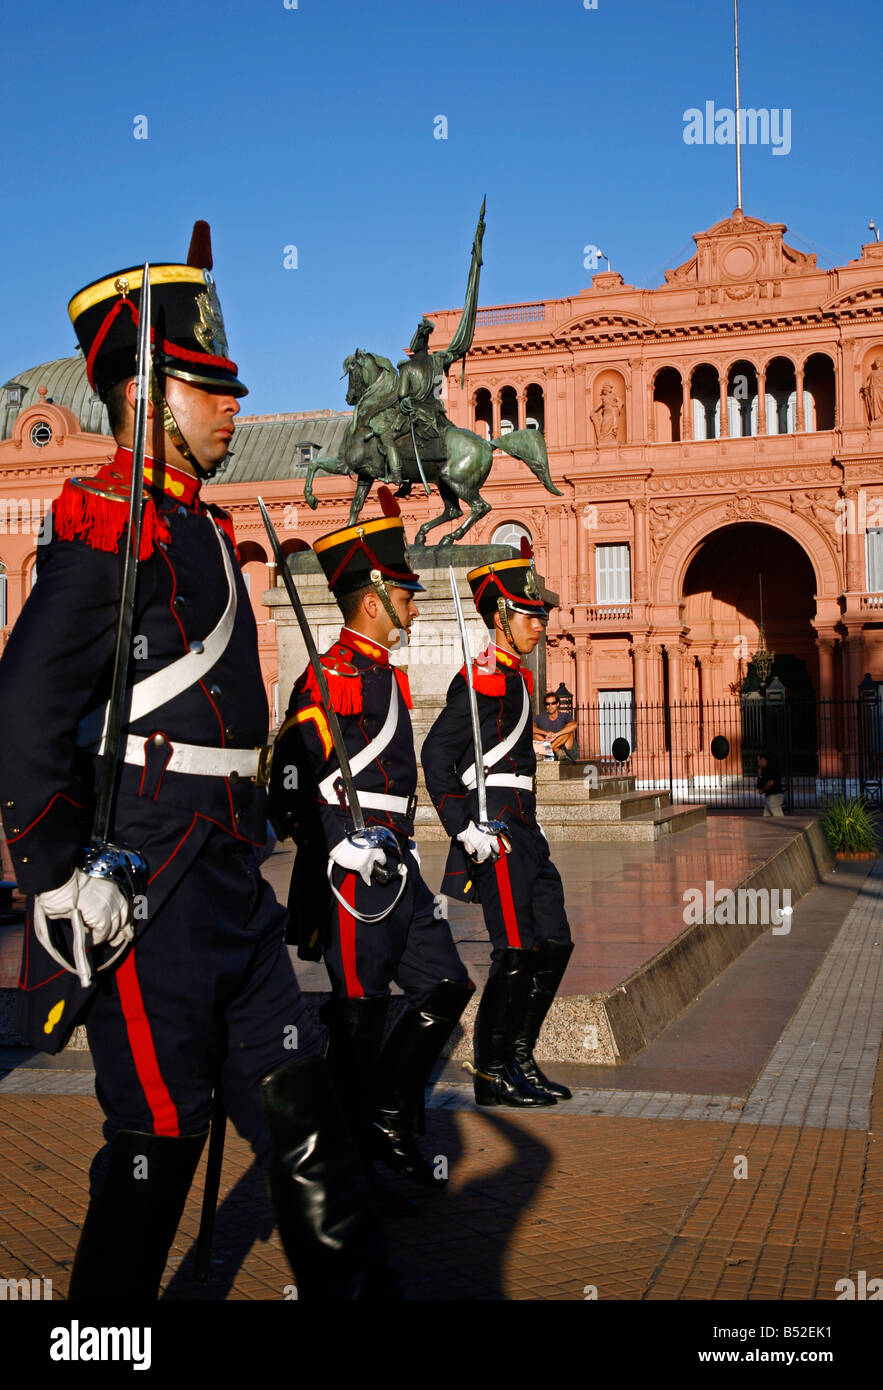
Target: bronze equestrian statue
[{"x": 400, "y": 433}]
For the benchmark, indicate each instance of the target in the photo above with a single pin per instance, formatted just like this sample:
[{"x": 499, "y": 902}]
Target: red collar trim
[
  {"x": 358, "y": 643},
  {"x": 500, "y": 657},
  {"x": 183, "y": 487}
]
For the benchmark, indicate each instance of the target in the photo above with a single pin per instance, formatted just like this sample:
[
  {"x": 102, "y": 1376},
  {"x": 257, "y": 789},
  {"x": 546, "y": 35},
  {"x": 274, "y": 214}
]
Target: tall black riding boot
[
  {"x": 132, "y": 1220},
  {"x": 403, "y": 1071},
  {"x": 499, "y": 1079},
  {"x": 549, "y": 964},
  {"x": 355, "y": 1032},
  {"x": 319, "y": 1189}
]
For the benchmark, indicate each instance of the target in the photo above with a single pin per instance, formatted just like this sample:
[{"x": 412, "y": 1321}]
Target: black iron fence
[{"x": 707, "y": 751}]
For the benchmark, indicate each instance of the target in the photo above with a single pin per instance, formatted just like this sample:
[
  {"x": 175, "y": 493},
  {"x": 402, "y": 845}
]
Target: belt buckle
[
  {"x": 412, "y": 806},
  {"x": 265, "y": 762}
]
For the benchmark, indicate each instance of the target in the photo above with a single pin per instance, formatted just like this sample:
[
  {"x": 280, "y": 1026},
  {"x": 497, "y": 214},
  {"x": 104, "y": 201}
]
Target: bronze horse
[{"x": 457, "y": 461}]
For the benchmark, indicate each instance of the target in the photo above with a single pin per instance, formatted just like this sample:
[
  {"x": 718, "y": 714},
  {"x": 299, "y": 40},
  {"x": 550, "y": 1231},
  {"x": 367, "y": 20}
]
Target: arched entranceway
[{"x": 722, "y": 609}]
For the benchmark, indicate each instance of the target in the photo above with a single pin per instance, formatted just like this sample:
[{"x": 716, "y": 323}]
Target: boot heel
[{"x": 487, "y": 1092}]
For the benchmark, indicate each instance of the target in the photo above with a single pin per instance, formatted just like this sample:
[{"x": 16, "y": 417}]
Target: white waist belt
[
  {"x": 379, "y": 801},
  {"x": 509, "y": 779},
  {"x": 196, "y": 760},
  {"x": 493, "y": 755}
]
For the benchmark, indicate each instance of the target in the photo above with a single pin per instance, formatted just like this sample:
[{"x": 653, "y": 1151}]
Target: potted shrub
[{"x": 851, "y": 827}]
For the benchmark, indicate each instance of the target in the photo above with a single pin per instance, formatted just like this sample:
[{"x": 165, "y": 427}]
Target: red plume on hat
[
  {"x": 388, "y": 503},
  {"x": 526, "y": 549},
  {"x": 200, "y": 253}
]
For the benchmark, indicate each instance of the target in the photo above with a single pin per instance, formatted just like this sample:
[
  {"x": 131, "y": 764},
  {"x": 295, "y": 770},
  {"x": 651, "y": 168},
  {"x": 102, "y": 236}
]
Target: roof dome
[{"x": 66, "y": 384}]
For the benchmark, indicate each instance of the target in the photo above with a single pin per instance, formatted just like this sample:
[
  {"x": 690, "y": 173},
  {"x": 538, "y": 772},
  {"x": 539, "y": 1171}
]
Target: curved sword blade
[
  {"x": 349, "y": 785},
  {"x": 122, "y": 652},
  {"x": 473, "y": 704}
]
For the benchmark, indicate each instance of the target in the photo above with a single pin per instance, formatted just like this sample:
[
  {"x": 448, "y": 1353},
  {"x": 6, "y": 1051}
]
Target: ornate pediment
[
  {"x": 740, "y": 251},
  {"x": 603, "y": 325}
]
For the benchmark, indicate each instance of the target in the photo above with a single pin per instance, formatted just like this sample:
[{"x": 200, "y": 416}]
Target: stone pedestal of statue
[{"x": 431, "y": 657}]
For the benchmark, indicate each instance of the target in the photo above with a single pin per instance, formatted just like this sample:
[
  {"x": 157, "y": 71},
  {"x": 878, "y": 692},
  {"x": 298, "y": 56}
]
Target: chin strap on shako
[
  {"x": 173, "y": 430},
  {"x": 383, "y": 594},
  {"x": 504, "y": 619}
]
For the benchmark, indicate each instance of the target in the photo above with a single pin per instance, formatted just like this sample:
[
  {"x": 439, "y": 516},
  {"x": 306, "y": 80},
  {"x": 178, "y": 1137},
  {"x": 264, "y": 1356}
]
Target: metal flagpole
[{"x": 738, "y": 114}]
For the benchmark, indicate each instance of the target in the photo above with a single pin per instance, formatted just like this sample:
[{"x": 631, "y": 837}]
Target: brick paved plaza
[{"x": 630, "y": 1192}]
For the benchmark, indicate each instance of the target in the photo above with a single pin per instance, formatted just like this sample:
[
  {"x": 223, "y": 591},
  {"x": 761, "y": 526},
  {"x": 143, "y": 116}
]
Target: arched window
[
  {"x": 705, "y": 395},
  {"x": 818, "y": 392},
  {"x": 508, "y": 410},
  {"x": 510, "y": 533},
  {"x": 781, "y": 397},
  {"x": 535, "y": 408},
  {"x": 742, "y": 400},
  {"x": 667, "y": 403},
  {"x": 483, "y": 412}
]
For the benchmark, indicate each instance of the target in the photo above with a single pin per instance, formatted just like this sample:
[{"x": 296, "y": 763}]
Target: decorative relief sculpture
[{"x": 872, "y": 392}]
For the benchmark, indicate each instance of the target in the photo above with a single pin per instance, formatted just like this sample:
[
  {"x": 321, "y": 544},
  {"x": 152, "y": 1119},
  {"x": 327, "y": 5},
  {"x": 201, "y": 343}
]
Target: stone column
[
  {"x": 854, "y": 664},
  {"x": 800, "y": 421},
  {"x": 583, "y": 660},
  {"x": 521, "y": 396},
  {"x": 582, "y": 428},
  {"x": 585, "y": 554},
  {"x": 825, "y": 647},
  {"x": 724, "y": 430},
  {"x": 761, "y": 400},
  {"x": 640, "y": 509},
  {"x": 686, "y": 411},
  {"x": 854, "y": 560}
]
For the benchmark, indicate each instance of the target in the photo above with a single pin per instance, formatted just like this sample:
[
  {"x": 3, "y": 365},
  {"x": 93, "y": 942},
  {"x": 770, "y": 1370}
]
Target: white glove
[
  {"x": 100, "y": 902},
  {"x": 415, "y": 853},
  {"x": 477, "y": 844},
  {"x": 357, "y": 856}
]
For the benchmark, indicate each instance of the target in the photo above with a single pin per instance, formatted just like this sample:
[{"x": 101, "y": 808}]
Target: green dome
[{"x": 66, "y": 384}]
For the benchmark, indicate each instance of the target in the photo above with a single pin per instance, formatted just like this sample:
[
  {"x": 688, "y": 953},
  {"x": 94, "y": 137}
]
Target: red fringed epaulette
[
  {"x": 493, "y": 683},
  {"x": 225, "y": 521},
  {"x": 404, "y": 686},
  {"x": 344, "y": 681},
  {"x": 83, "y": 511}
]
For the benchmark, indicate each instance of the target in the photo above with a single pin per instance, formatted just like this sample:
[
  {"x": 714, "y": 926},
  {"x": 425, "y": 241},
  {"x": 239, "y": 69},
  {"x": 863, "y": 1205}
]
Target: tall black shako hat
[
  {"x": 187, "y": 334},
  {"x": 372, "y": 553},
  {"x": 512, "y": 581}
]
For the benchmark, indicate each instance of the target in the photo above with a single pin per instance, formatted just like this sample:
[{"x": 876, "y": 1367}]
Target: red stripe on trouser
[
  {"x": 162, "y": 1107},
  {"x": 347, "y": 925},
  {"x": 501, "y": 866}
]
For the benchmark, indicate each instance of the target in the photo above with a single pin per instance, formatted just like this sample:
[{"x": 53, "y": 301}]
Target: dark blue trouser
[
  {"x": 207, "y": 995},
  {"x": 521, "y": 893}
]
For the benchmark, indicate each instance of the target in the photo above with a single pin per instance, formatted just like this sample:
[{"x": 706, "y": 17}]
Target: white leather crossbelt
[
  {"x": 493, "y": 755},
  {"x": 366, "y": 755},
  {"x": 158, "y": 689}
]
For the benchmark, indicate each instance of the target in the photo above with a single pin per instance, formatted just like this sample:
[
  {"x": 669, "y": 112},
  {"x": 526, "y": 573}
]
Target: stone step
[{"x": 644, "y": 829}]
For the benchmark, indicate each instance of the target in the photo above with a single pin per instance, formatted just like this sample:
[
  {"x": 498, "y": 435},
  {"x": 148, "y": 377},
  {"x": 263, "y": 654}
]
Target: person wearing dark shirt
[
  {"x": 769, "y": 784},
  {"x": 556, "y": 729}
]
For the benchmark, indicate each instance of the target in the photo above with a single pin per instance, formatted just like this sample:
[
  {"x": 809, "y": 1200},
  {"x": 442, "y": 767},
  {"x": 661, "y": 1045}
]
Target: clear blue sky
[{"x": 314, "y": 127}]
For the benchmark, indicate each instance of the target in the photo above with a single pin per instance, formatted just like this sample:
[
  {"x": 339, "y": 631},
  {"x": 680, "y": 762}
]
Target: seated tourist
[{"x": 556, "y": 730}]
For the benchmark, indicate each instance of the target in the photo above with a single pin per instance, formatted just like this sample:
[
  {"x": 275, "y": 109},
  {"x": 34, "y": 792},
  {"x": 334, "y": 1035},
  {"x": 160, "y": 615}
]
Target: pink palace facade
[{"x": 720, "y": 432}]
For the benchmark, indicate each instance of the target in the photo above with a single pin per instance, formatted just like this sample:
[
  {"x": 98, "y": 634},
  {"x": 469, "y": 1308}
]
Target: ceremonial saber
[
  {"x": 114, "y": 725},
  {"x": 480, "y": 785},
  {"x": 203, "y": 1257},
  {"x": 102, "y": 859},
  {"x": 318, "y": 670}
]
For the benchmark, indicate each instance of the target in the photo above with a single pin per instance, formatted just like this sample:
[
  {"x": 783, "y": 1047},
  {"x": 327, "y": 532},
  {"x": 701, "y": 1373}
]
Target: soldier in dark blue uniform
[
  {"x": 513, "y": 875},
  {"x": 206, "y": 996},
  {"x": 368, "y": 932}
]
